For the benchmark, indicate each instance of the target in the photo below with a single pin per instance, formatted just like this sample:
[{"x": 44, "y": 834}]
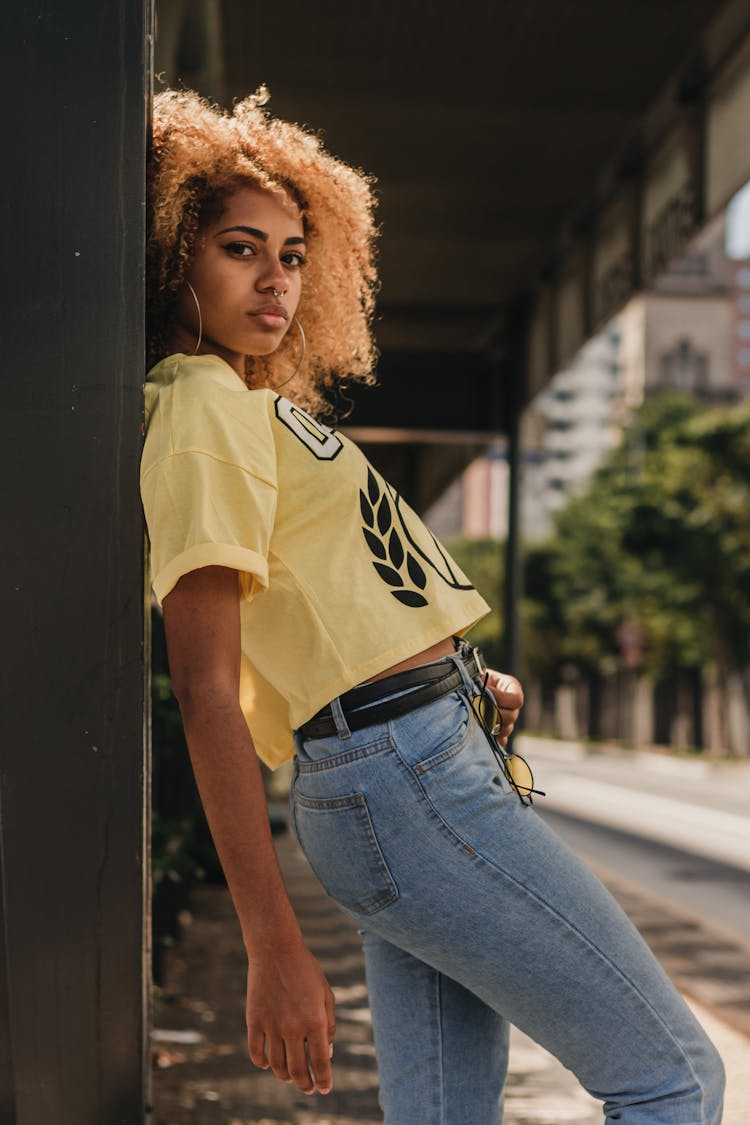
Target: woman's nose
[{"x": 273, "y": 278}]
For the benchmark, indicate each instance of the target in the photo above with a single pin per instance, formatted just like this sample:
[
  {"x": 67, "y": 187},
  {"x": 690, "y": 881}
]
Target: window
[{"x": 684, "y": 367}]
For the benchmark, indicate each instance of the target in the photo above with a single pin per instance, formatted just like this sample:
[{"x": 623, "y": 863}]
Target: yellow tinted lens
[
  {"x": 519, "y": 773},
  {"x": 485, "y": 710}
]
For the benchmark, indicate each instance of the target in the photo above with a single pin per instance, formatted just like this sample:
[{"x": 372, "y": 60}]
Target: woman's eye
[
  {"x": 240, "y": 249},
  {"x": 294, "y": 259}
]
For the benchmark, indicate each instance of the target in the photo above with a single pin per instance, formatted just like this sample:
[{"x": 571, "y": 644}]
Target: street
[
  {"x": 717, "y": 892},
  {"x": 691, "y": 804}
]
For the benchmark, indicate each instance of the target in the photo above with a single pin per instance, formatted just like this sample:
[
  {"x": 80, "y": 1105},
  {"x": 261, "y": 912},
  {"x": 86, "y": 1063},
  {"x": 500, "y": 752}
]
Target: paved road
[
  {"x": 696, "y": 806},
  {"x": 718, "y": 893}
]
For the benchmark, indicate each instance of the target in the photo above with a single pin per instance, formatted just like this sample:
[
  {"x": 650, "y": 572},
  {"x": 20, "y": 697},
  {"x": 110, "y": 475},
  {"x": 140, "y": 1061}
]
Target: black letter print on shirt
[{"x": 394, "y": 548}]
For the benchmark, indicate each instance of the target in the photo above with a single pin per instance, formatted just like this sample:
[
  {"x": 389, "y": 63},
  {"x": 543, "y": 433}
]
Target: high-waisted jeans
[{"x": 476, "y": 915}]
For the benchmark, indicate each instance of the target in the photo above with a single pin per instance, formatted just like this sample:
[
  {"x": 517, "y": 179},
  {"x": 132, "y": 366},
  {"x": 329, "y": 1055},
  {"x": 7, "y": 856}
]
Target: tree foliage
[{"x": 661, "y": 537}]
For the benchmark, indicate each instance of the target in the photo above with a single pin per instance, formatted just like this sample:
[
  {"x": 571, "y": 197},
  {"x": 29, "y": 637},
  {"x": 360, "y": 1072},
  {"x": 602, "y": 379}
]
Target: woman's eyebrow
[{"x": 258, "y": 234}]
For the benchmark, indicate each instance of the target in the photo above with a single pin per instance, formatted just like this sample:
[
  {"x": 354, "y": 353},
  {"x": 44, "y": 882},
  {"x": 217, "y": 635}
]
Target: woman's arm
[{"x": 289, "y": 1003}]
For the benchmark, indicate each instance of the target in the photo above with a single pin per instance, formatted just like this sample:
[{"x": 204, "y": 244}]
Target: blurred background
[{"x": 564, "y": 395}]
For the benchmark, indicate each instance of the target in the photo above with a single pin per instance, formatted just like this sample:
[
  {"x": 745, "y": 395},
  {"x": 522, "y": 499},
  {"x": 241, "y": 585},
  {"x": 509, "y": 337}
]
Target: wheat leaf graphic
[
  {"x": 376, "y": 545},
  {"x": 410, "y": 597},
  {"x": 377, "y": 515},
  {"x": 384, "y": 515},
  {"x": 392, "y": 577},
  {"x": 417, "y": 575},
  {"x": 367, "y": 513},
  {"x": 395, "y": 550}
]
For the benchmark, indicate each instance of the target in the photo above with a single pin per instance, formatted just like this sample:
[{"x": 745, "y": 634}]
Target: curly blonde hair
[{"x": 200, "y": 155}]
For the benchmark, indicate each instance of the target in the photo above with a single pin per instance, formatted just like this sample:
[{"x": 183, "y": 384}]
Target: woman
[{"x": 309, "y": 613}]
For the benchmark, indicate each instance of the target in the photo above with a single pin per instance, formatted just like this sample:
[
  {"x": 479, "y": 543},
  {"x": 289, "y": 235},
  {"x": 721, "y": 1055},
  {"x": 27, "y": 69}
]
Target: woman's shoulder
[
  {"x": 205, "y": 380},
  {"x": 206, "y": 406},
  {"x": 198, "y": 372}
]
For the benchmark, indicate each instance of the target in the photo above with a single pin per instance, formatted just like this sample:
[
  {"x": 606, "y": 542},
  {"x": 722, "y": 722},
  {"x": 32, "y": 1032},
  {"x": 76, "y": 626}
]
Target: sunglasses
[{"x": 516, "y": 769}]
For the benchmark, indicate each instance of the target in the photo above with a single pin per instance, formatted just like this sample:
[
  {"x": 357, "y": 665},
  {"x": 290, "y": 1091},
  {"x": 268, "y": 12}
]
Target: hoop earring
[
  {"x": 200, "y": 318},
  {"x": 283, "y": 383}
]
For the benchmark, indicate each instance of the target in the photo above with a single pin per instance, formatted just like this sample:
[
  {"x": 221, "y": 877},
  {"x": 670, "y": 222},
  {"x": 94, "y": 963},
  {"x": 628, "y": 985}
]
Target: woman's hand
[
  {"x": 508, "y": 696},
  {"x": 290, "y": 1020}
]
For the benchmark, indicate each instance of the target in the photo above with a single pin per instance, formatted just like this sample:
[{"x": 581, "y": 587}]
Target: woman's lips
[
  {"x": 271, "y": 315},
  {"x": 272, "y": 320}
]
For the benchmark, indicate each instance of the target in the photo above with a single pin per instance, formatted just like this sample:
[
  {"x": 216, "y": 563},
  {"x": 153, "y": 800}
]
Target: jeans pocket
[
  {"x": 431, "y": 735},
  {"x": 337, "y": 836}
]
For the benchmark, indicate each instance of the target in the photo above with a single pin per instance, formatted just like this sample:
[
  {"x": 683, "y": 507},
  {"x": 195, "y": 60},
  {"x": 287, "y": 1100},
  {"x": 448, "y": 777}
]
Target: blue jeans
[{"x": 476, "y": 915}]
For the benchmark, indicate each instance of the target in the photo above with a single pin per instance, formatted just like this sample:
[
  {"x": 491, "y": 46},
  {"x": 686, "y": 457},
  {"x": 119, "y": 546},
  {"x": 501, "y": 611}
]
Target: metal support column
[
  {"x": 515, "y": 390},
  {"x": 74, "y": 944}
]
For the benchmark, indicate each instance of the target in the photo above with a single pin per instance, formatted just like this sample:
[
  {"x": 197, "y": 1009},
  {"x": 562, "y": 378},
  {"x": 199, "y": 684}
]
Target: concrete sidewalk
[{"x": 202, "y": 1075}]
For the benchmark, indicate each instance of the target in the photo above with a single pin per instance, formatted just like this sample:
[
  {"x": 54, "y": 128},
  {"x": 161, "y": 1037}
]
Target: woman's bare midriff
[{"x": 442, "y": 648}]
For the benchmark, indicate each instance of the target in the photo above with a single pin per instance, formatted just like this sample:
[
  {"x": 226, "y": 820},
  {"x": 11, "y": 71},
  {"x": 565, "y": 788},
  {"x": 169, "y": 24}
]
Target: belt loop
[
  {"x": 337, "y": 711},
  {"x": 464, "y": 652}
]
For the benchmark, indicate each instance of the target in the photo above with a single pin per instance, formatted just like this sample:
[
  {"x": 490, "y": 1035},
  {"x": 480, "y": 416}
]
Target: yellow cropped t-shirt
[{"x": 339, "y": 578}]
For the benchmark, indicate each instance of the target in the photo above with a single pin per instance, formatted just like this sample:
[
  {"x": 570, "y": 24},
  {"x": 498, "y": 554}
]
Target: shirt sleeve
[{"x": 204, "y": 511}]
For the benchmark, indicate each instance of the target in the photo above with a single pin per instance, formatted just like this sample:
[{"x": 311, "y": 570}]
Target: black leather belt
[{"x": 428, "y": 681}]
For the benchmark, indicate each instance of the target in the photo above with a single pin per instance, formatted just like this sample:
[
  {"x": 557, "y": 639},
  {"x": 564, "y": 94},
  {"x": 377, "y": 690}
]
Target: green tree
[
  {"x": 692, "y": 524},
  {"x": 661, "y": 536}
]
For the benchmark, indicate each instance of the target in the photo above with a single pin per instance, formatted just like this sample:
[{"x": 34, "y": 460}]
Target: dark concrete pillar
[{"x": 74, "y": 956}]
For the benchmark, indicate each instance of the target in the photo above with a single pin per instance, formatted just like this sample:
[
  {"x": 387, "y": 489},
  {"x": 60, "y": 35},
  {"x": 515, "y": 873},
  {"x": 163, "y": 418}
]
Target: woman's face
[{"x": 255, "y": 247}]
